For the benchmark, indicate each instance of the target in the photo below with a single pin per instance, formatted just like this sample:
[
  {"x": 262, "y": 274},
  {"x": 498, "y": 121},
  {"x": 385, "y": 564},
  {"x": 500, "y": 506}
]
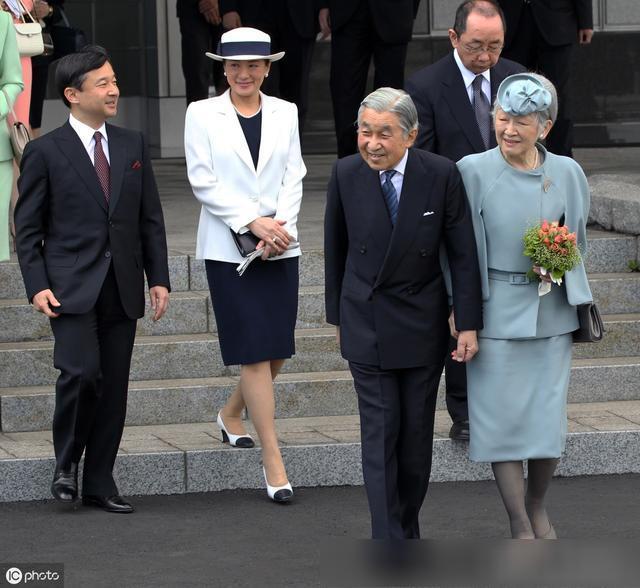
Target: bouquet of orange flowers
[{"x": 552, "y": 248}]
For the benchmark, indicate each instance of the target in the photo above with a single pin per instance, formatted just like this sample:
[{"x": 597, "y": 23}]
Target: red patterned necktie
[{"x": 102, "y": 166}]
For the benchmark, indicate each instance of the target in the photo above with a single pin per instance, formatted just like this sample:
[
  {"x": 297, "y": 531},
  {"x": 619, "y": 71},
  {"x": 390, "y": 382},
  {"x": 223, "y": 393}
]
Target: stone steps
[
  {"x": 190, "y": 312},
  {"x": 608, "y": 252},
  {"x": 309, "y": 394},
  {"x": 320, "y": 451}
]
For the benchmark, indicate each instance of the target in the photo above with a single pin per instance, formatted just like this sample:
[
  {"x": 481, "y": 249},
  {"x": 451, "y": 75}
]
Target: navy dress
[{"x": 256, "y": 312}]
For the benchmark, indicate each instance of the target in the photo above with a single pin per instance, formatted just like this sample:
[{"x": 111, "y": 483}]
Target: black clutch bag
[
  {"x": 246, "y": 243},
  {"x": 591, "y": 328}
]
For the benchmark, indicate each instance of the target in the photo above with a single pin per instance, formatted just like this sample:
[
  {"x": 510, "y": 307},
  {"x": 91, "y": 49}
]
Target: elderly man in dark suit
[
  {"x": 389, "y": 211},
  {"x": 453, "y": 97},
  {"x": 362, "y": 30},
  {"x": 541, "y": 35},
  {"x": 89, "y": 226},
  {"x": 292, "y": 26}
]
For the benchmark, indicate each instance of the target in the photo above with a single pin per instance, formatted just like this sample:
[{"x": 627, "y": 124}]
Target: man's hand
[
  {"x": 42, "y": 9},
  {"x": 159, "y": 297},
  {"x": 210, "y": 11},
  {"x": 585, "y": 36},
  {"x": 43, "y": 302},
  {"x": 467, "y": 346},
  {"x": 325, "y": 23},
  {"x": 231, "y": 20}
]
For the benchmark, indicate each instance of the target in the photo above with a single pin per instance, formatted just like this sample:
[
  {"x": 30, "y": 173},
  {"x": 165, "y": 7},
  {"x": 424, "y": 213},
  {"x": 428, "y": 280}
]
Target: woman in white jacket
[{"x": 245, "y": 167}]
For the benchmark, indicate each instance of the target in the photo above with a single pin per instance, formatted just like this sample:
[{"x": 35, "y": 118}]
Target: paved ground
[{"x": 241, "y": 539}]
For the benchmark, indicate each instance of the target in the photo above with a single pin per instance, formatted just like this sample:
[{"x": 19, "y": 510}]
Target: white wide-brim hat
[{"x": 245, "y": 44}]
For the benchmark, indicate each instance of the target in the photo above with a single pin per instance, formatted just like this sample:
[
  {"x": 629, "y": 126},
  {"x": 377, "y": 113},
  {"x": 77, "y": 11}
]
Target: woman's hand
[
  {"x": 42, "y": 9},
  {"x": 544, "y": 277},
  {"x": 272, "y": 235}
]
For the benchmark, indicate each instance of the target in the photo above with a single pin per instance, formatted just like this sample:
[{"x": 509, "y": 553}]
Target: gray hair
[
  {"x": 550, "y": 113},
  {"x": 392, "y": 100}
]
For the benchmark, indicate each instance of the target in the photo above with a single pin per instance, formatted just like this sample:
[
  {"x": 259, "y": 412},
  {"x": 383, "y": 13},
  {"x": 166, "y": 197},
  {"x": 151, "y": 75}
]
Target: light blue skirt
[{"x": 517, "y": 394}]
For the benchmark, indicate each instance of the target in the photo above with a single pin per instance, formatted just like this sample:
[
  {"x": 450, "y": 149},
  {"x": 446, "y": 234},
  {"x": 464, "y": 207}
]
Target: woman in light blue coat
[
  {"x": 517, "y": 384},
  {"x": 10, "y": 86}
]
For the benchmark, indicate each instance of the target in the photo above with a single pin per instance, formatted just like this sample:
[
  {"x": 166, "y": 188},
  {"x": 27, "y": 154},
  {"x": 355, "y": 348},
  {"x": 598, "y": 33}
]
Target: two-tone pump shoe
[
  {"x": 241, "y": 441},
  {"x": 278, "y": 493}
]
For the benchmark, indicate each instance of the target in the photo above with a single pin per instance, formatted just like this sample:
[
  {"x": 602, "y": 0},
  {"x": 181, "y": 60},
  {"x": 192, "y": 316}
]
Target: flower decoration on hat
[{"x": 522, "y": 94}]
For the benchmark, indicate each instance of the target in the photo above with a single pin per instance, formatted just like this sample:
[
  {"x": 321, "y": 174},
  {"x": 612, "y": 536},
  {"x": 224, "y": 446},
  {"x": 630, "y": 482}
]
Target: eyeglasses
[{"x": 477, "y": 49}]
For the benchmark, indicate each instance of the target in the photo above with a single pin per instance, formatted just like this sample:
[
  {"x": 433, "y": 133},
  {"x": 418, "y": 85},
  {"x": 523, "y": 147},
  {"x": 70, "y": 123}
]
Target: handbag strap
[
  {"x": 9, "y": 104},
  {"x": 25, "y": 11}
]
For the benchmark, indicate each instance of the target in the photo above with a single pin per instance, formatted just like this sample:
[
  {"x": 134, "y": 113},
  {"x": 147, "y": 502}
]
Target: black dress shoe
[
  {"x": 108, "y": 503},
  {"x": 459, "y": 431},
  {"x": 65, "y": 483}
]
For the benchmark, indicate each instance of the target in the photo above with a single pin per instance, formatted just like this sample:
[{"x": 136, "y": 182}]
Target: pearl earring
[
  {"x": 224, "y": 73},
  {"x": 266, "y": 75}
]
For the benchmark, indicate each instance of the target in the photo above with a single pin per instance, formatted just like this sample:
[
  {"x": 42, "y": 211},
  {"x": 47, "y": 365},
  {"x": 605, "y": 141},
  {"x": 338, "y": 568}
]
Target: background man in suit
[
  {"x": 361, "y": 30},
  {"x": 292, "y": 25},
  {"x": 541, "y": 35},
  {"x": 388, "y": 212},
  {"x": 89, "y": 225},
  {"x": 451, "y": 125},
  {"x": 200, "y": 30}
]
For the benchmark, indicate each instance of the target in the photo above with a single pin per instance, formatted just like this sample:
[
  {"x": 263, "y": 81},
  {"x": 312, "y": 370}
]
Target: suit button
[
  {"x": 410, "y": 291},
  {"x": 363, "y": 249},
  {"x": 423, "y": 252},
  {"x": 107, "y": 254}
]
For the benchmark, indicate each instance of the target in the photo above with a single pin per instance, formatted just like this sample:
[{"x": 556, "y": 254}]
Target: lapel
[
  {"x": 70, "y": 144},
  {"x": 372, "y": 205},
  {"x": 117, "y": 157},
  {"x": 460, "y": 106},
  {"x": 414, "y": 198},
  {"x": 269, "y": 133},
  {"x": 496, "y": 79},
  {"x": 233, "y": 132}
]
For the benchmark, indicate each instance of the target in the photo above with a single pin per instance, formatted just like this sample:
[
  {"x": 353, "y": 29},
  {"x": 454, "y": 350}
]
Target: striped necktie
[
  {"x": 102, "y": 166},
  {"x": 390, "y": 194},
  {"x": 481, "y": 108}
]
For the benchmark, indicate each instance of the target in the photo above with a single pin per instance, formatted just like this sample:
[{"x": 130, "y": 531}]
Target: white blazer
[{"x": 223, "y": 178}]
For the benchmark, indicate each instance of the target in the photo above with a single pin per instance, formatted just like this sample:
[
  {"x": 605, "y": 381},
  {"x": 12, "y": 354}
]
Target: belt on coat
[{"x": 515, "y": 278}]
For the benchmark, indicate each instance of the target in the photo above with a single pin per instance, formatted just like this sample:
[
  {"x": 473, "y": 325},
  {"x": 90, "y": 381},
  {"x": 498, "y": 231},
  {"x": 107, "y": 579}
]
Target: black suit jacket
[
  {"x": 392, "y": 19},
  {"x": 384, "y": 285},
  {"x": 67, "y": 236},
  {"x": 303, "y": 13},
  {"x": 448, "y": 124},
  {"x": 558, "y": 20}
]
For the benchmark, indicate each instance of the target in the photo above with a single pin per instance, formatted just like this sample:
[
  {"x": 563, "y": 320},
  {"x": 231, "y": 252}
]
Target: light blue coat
[{"x": 505, "y": 202}]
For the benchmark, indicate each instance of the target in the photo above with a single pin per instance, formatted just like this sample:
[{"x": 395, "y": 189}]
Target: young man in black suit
[
  {"x": 449, "y": 125},
  {"x": 541, "y": 35},
  {"x": 89, "y": 226},
  {"x": 388, "y": 212}
]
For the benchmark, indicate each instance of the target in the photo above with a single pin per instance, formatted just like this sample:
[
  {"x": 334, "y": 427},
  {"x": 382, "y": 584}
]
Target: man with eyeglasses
[{"x": 453, "y": 97}]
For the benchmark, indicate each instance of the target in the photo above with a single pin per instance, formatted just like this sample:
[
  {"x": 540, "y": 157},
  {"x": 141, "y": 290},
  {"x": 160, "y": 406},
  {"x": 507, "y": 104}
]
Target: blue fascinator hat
[{"x": 522, "y": 94}]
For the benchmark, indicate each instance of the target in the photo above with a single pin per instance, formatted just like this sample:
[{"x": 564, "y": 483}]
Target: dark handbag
[
  {"x": 246, "y": 243},
  {"x": 66, "y": 39},
  {"x": 591, "y": 328}
]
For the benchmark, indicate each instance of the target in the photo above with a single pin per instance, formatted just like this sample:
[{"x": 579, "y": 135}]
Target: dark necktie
[
  {"x": 481, "y": 108},
  {"x": 390, "y": 194},
  {"x": 102, "y": 166}
]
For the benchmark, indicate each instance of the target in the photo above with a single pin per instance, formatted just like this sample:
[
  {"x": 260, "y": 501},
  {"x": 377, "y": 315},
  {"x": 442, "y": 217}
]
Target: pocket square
[
  {"x": 428, "y": 213},
  {"x": 136, "y": 165}
]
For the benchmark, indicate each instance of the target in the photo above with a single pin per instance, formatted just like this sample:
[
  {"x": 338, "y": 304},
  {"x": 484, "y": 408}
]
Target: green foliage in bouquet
[{"x": 552, "y": 247}]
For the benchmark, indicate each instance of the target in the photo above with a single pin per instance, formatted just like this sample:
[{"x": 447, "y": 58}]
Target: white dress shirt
[
  {"x": 86, "y": 133},
  {"x": 468, "y": 76},
  {"x": 397, "y": 178}
]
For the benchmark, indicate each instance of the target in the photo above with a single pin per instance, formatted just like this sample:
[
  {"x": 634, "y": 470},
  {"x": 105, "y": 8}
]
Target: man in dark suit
[
  {"x": 541, "y": 35},
  {"x": 292, "y": 26},
  {"x": 388, "y": 212},
  {"x": 89, "y": 226},
  {"x": 361, "y": 30},
  {"x": 200, "y": 30},
  {"x": 444, "y": 95}
]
